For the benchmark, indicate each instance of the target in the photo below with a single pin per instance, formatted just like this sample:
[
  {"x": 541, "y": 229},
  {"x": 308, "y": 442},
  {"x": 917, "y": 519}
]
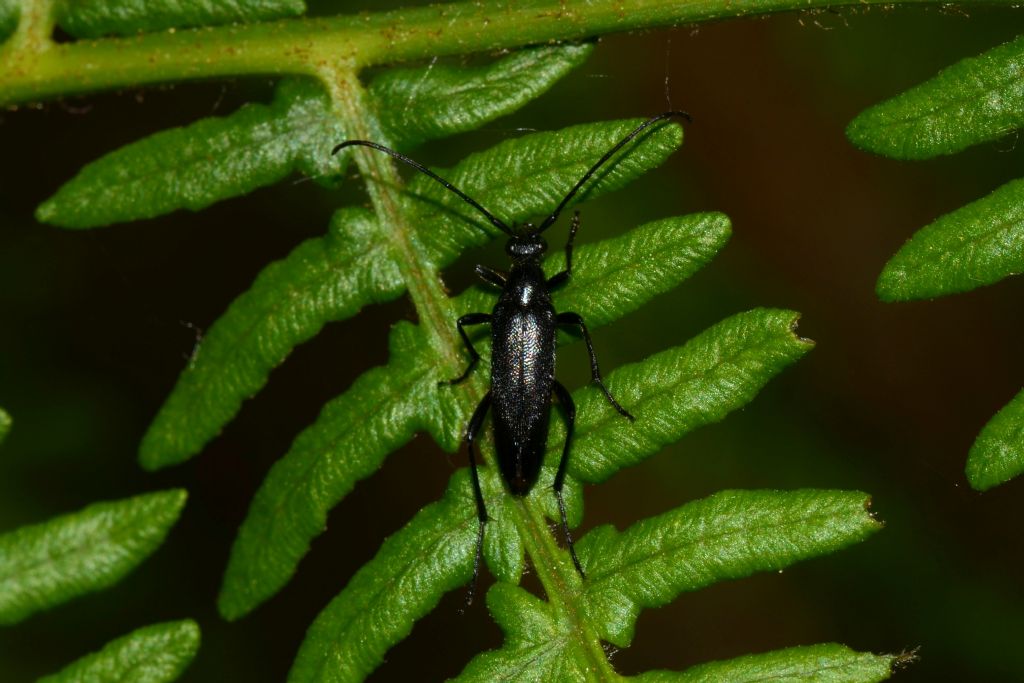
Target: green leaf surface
[
  {"x": 540, "y": 645},
  {"x": 46, "y": 564},
  {"x": 10, "y": 12},
  {"x": 976, "y": 245},
  {"x": 525, "y": 178},
  {"x": 681, "y": 389},
  {"x": 433, "y": 102},
  {"x": 431, "y": 555},
  {"x": 349, "y": 440},
  {"x": 617, "y": 276},
  {"x": 384, "y": 407},
  {"x": 331, "y": 278},
  {"x": 729, "y": 535},
  {"x": 976, "y": 100},
  {"x": 196, "y": 165},
  {"x": 5, "y": 424},
  {"x": 998, "y": 453},
  {"x": 152, "y": 654},
  {"x": 827, "y": 663},
  {"x": 96, "y": 18},
  {"x": 328, "y": 278},
  {"x": 220, "y": 157}
]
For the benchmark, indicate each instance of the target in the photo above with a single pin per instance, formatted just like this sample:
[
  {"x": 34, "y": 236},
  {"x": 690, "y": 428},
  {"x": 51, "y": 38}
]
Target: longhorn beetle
[{"x": 523, "y": 324}]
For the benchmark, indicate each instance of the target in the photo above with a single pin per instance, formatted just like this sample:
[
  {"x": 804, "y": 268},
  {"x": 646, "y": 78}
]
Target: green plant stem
[
  {"x": 561, "y": 584},
  {"x": 384, "y": 186},
  {"x": 38, "y": 70},
  {"x": 35, "y": 28}
]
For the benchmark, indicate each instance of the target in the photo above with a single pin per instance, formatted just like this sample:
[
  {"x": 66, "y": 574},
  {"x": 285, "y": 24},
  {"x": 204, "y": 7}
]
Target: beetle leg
[
  {"x": 491, "y": 276},
  {"x": 468, "y": 319},
  {"x": 559, "y": 279},
  {"x": 472, "y": 430},
  {"x": 575, "y": 320},
  {"x": 569, "y": 407}
]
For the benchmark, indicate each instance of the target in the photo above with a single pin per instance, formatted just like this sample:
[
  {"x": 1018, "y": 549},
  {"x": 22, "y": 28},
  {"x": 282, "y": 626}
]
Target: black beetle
[{"x": 523, "y": 325}]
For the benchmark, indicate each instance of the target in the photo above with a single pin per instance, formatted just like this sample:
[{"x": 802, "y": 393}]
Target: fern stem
[
  {"x": 384, "y": 186},
  {"x": 561, "y": 583},
  {"x": 306, "y": 46},
  {"x": 35, "y": 31},
  {"x": 436, "y": 314}
]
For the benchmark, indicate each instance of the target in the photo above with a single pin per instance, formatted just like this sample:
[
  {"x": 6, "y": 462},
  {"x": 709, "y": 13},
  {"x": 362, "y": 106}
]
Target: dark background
[{"x": 95, "y": 326}]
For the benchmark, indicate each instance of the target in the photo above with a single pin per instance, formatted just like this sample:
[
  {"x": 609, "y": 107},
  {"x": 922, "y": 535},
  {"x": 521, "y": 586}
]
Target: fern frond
[
  {"x": 46, "y": 564},
  {"x": 976, "y": 100},
  {"x": 153, "y": 654},
  {"x": 217, "y": 158},
  {"x": 829, "y": 663},
  {"x": 96, "y": 18}
]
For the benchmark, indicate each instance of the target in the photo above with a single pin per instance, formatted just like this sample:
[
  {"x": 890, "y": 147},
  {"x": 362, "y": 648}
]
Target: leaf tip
[
  {"x": 997, "y": 456},
  {"x": 172, "y": 501},
  {"x": 5, "y": 424},
  {"x": 229, "y": 606},
  {"x": 982, "y": 474},
  {"x": 179, "y": 496},
  {"x": 719, "y": 228},
  {"x": 892, "y": 283},
  {"x": 881, "y": 130},
  {"x": 157, "y": 451},
  {"x": 190, "y": 634},
  {"x": 858, "y": 130},
  {"x": 47, "y": 212},
  {"x": 794, "y": 324},
  {"x": 904, "y": 660},
  {"x": 877, "y": 520}
]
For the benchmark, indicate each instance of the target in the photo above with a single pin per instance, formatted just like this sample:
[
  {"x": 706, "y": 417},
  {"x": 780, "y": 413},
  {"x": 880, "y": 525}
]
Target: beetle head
[{"x": 526, "y": 244}]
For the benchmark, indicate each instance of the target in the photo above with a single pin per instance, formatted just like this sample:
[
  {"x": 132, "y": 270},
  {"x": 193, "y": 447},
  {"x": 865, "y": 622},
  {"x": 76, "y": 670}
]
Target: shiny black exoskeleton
[{"x": 523, "y": 326}]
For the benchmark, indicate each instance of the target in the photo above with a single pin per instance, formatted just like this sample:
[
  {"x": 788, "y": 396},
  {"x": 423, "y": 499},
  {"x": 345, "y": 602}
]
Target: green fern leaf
[
  {"x": 526, "y": 177},
  {"x": 96, "y": 18},
  {"x": 431, "y": 555},
  {"x": 332, "y": 278},
  {"x": 46, "y": 564},
  {"x": 152, "y": 654},
  {"x": 416, "y": 105},
  {"x": 678, "y": 390},
  {"x": 259, "y": 145},
  {"x": 5, "y": 424},
  {"x": 202, "y": 163},
  {"x": 729, "y": 535},
  {"x": 973, "y": 101},
  {"x": 828, "y": 663},
  {"x": 998, "y": 453},
  {"x": 382, "y": 410},
  {"x": 539, "y": 645},
  {"x": 351, "y": 437},
  {"x": 976, "y": 245},
  {"x": 611, "y": 278}
]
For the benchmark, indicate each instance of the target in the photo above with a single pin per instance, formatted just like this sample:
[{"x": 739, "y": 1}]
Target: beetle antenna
[
  {"x": 549, "y": 221},
  {"x": 426, "y": 171}
]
